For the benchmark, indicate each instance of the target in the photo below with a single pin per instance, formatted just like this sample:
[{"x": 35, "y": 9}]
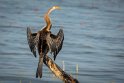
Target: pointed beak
[{"x": 57, "y": 7}]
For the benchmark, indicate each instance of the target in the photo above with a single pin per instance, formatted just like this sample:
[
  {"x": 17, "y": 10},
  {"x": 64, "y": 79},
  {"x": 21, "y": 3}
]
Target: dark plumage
[{"x": 45, "y": 41}]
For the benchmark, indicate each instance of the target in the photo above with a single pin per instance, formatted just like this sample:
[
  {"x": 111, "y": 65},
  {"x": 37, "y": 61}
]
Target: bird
[{"x": 44, "y": 41}]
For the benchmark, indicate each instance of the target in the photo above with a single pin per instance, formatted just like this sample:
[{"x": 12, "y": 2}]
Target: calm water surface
[{"x": 94, "y": 39}]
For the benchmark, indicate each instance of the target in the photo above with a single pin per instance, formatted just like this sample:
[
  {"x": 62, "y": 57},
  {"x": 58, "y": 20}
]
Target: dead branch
[{"x": 58, "y": 71}]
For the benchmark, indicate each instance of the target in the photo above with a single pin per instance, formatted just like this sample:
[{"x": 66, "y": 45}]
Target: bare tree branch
[{"x": 58, "y": 71}]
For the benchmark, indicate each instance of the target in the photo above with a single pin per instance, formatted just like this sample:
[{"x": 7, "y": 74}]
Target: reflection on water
[{"x": 94, "y": 38}]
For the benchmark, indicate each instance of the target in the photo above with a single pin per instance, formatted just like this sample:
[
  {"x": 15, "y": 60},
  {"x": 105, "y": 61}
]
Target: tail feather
[
  {"x": 39, "y": 68},
  {"x": 54, "y": 57}
]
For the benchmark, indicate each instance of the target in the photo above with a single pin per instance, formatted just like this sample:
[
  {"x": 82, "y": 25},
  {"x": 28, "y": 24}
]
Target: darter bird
[{"x": 44, "y": 41}]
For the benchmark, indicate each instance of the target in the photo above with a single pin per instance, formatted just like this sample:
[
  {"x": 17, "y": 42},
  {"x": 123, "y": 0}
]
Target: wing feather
[
  {"x": 32, "y": 40},
  {"x": 55, "y": 42}
]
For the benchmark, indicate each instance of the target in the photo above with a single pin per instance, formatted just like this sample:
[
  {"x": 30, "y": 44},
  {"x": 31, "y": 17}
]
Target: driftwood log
[{"x": 66, "y": 78}]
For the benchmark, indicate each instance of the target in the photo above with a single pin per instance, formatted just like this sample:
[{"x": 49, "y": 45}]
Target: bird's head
[
  {"x": 56, "y": 7},
  {"x": 53, "y": 8}
]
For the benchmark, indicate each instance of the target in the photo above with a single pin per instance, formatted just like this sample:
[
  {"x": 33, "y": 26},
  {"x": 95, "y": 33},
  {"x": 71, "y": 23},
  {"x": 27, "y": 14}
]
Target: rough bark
[{"x": 58, "y": 71}]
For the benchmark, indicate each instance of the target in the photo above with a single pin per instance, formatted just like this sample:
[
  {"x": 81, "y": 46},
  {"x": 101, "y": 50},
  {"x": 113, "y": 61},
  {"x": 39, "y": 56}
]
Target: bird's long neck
[{"x": 47, "y": 19}]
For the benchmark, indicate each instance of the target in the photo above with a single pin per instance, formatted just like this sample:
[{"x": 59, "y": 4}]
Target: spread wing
[
  {"x": 55, "y": 42},
  {"x": 32, "y": 40}
]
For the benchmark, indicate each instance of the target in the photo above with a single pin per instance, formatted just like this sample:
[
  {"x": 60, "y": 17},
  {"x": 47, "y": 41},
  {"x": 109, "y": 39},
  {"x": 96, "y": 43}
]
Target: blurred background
[{"x": 94, "y": 39}]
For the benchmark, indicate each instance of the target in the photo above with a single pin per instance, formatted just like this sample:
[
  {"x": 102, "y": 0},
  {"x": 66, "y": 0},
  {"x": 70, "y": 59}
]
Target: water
[{"x": 94, "y": 39}]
